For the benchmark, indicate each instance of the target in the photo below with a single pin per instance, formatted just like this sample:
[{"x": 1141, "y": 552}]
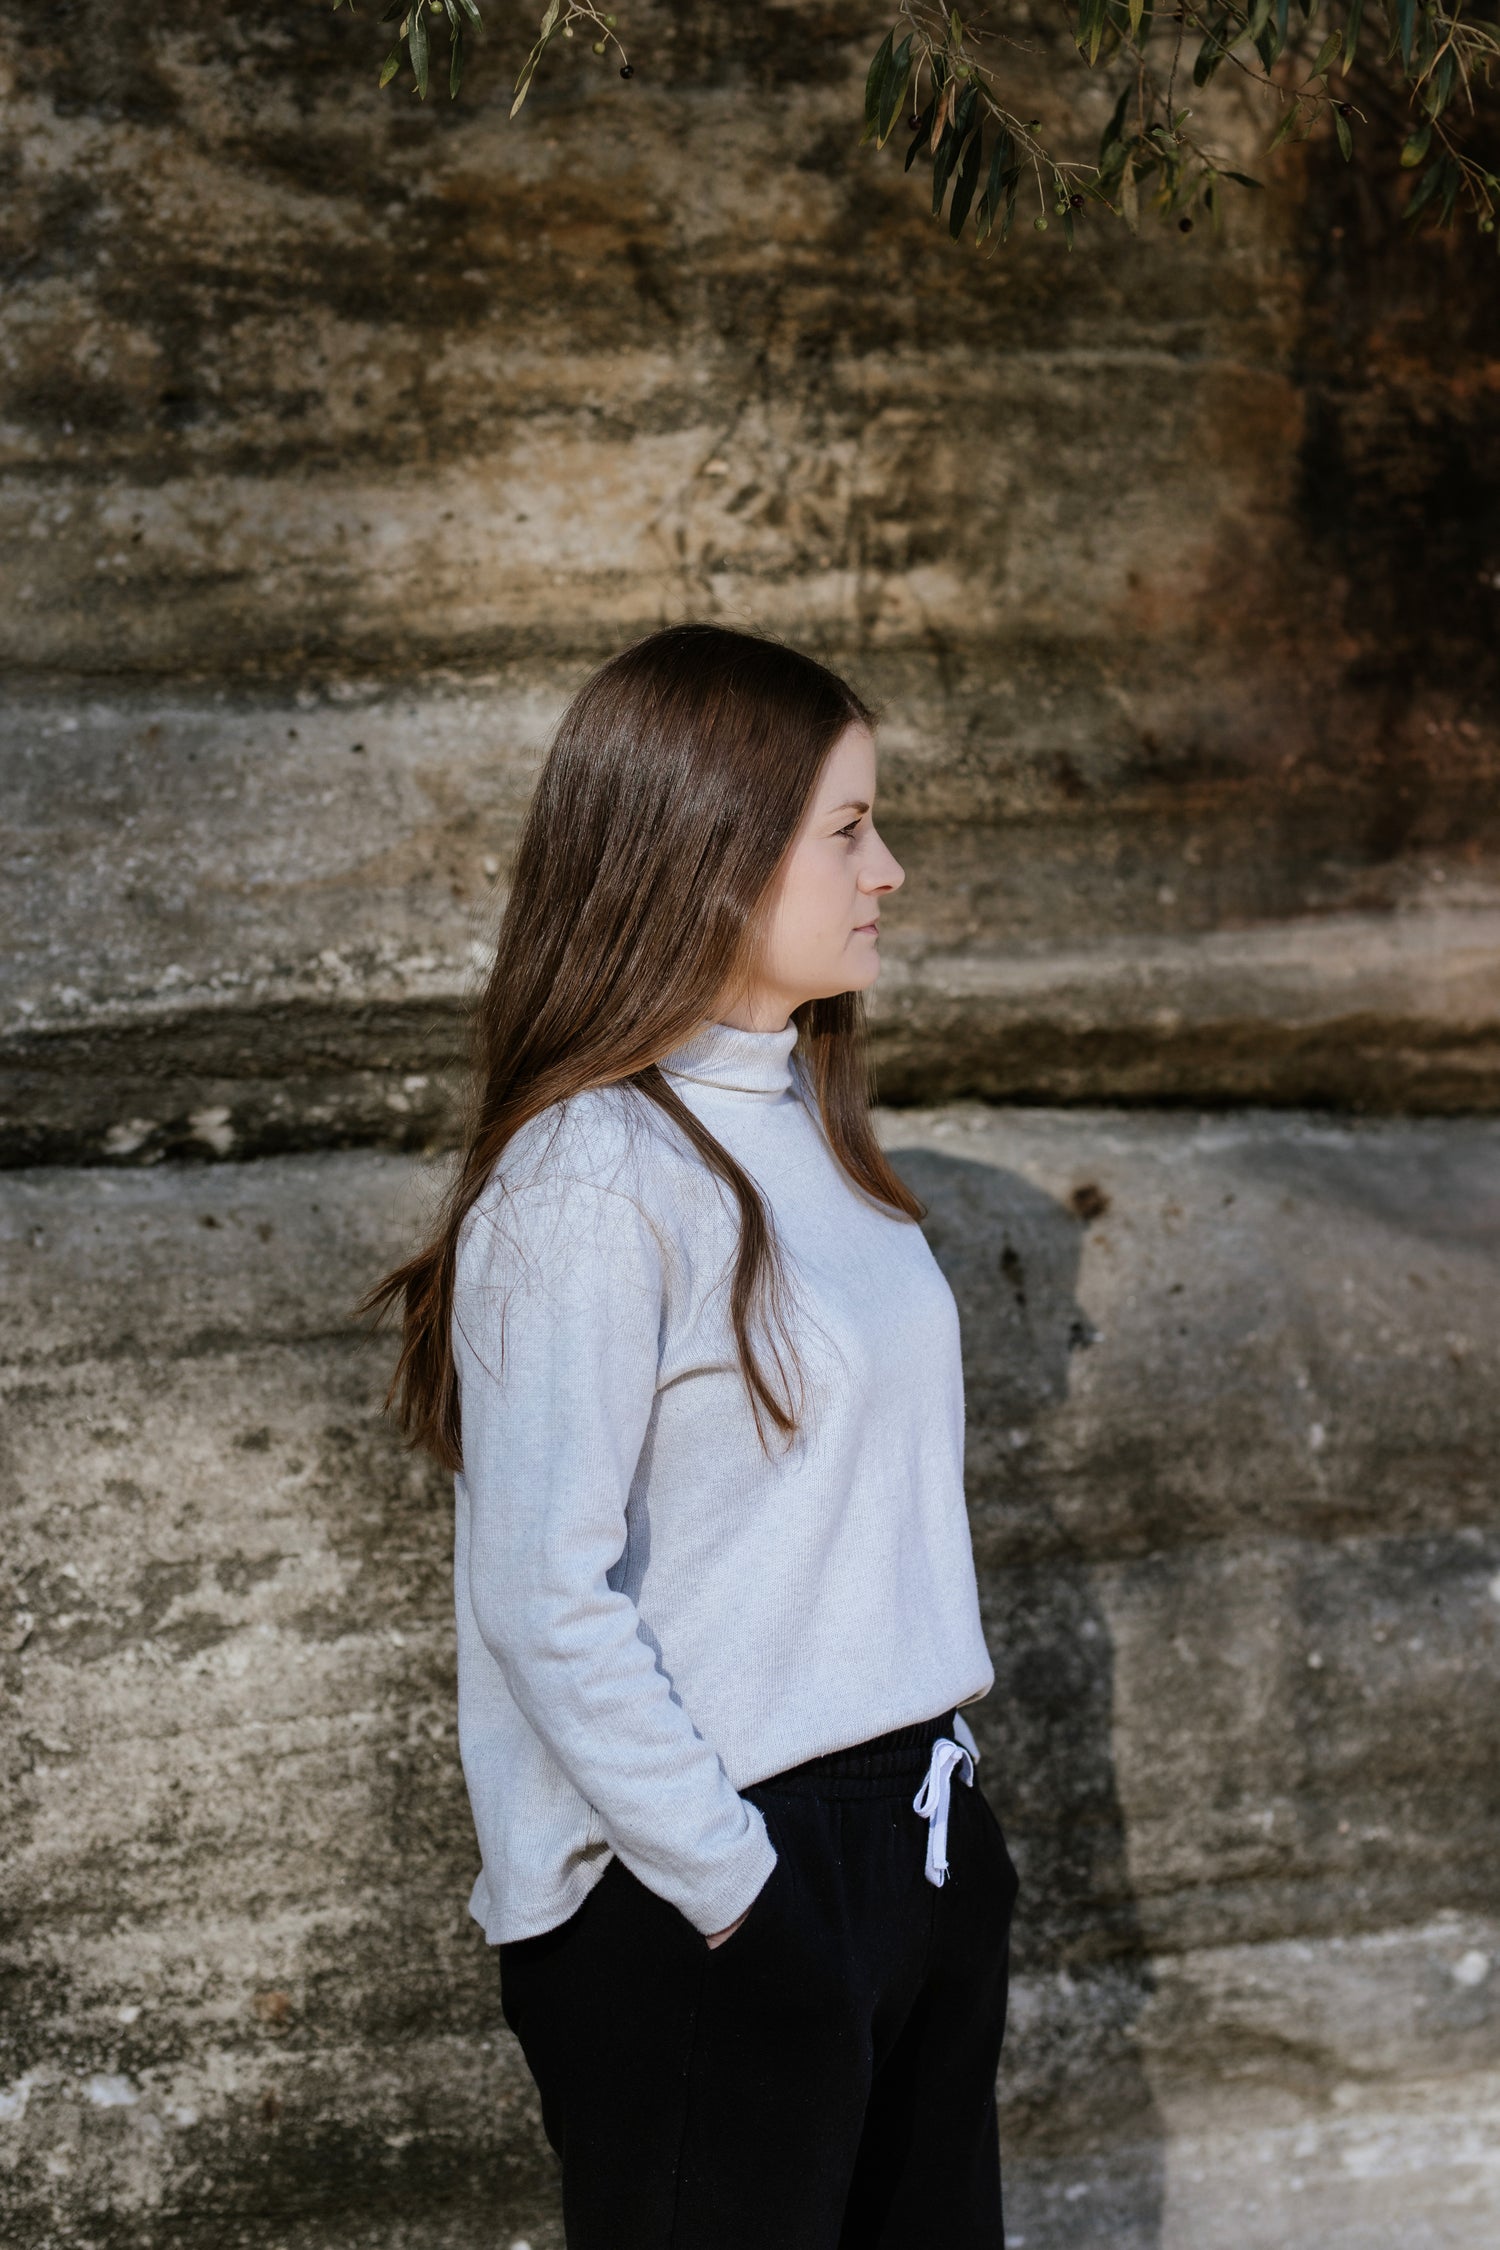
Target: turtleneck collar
[{"x": 737, "y": 1062}]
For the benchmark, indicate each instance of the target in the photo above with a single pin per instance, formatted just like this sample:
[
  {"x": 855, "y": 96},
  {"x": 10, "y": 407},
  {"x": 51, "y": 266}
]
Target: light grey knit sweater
[{"x": 651, "y": 1612}]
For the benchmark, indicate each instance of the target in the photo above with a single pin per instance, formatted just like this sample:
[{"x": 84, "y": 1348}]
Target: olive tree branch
[{"x": 945, "y": 75}]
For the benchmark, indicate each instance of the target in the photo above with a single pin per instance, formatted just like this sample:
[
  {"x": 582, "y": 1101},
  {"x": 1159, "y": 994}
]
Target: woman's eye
[{"x": 850, "y": 830}]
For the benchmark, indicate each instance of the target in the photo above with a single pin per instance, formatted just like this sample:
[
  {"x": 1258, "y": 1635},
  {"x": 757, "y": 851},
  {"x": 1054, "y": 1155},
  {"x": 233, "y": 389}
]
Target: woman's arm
[{"x": 557, "y": 1322}]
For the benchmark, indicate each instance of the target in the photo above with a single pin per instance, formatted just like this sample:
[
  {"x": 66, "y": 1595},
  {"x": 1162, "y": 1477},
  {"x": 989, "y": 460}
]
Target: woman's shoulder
[
  {"x": 574, "y": 1180},
  {"x": 608, "y": 1140}
]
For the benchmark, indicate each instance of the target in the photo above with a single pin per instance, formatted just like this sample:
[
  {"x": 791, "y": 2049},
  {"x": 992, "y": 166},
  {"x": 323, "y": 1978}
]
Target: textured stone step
[
  {"x": 1240, "y": 1737},
  {"x": 1405, "y": 2168},
  {"x": 248, "y": 922}
]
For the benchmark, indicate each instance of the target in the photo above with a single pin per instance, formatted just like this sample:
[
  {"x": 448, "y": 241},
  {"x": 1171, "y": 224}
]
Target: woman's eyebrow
[{"x": 854, "y": 805}]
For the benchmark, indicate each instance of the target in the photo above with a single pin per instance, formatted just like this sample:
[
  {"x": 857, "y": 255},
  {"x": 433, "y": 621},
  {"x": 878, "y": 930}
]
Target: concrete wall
[
  {"x": 1232, "y": 1478},
  {"x": 337, "y": 438}
]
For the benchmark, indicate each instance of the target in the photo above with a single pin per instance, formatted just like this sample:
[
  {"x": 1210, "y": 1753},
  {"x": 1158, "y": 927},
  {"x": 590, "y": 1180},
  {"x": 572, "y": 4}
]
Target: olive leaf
[
  {"x": 416, "y": 46},
  {"x": 528, "y": 68}
]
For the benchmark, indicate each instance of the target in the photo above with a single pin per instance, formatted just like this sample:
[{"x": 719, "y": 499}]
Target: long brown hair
[{"x": 675, "y": 783}]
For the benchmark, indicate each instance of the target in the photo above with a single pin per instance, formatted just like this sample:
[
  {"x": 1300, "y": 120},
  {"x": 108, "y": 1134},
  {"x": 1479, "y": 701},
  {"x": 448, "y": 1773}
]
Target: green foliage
[
  {"x": 418, "y": 20},
  {"x": 943, "y": 76},
  {"x": 1152, "y": 155}
]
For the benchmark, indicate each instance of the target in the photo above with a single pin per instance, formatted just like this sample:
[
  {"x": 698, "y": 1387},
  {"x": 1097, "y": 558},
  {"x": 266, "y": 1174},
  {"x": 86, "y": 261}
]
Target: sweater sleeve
[{"x": 557, "y": 1320}]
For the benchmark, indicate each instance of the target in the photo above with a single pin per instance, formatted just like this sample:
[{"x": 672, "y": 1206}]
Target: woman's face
[{"x": 823, "y": 933}]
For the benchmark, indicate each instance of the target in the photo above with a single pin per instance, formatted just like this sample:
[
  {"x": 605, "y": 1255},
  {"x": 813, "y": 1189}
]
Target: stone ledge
[
  {"x": 246, "y": 922},
  {"x": 1380, "y": 1016}
]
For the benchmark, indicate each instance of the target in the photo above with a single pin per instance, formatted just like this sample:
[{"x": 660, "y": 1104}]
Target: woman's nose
[{"x": 885, "y": 872}]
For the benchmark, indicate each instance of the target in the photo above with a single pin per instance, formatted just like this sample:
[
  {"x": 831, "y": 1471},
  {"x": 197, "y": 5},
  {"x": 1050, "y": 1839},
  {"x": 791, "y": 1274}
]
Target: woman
[{"x": 697, "y": 1374}]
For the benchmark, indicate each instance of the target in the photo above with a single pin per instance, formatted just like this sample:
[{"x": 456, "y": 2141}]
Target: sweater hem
[{"x": 711, "y": 1910}]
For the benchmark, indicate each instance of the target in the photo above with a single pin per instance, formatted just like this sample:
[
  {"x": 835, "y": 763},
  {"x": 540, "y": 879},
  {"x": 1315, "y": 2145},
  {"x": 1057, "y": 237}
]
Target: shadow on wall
[{"x": 1082, "y": 2132}]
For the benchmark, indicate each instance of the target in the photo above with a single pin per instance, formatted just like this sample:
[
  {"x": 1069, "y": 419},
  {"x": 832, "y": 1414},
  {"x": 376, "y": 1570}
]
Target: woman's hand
[{"x": 720, "y": 1935}]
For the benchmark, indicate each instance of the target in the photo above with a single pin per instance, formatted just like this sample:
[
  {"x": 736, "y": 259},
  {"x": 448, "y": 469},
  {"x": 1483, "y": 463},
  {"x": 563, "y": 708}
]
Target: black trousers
[{"x": 825, "y": 2079}]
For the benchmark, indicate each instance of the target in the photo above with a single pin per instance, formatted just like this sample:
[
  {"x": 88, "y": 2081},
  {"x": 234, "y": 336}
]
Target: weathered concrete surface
[
  {"x": 246, "y": 922},
  {"x": 298, "y": 370},
  {"x": 240, "y": 1978},
  {"x": 327, "y": 419},
  {"x": 301, "y": 371},
  {"x": 326, "y": 422},
  {"x": 1298, "y": 2142},
  {"x": 1233, "y": 1436}
]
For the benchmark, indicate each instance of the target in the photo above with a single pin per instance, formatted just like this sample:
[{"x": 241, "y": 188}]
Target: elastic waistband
[{"x": 865, "y": 1768}]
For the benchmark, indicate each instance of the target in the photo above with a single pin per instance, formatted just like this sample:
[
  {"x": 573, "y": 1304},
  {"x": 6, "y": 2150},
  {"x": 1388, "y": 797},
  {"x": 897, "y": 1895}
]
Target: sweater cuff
[{"x": 736, "y": 1887}]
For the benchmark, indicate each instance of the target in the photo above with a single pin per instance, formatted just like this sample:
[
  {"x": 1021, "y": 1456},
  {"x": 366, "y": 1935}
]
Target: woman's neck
[{"x": 759, "y": 1009}]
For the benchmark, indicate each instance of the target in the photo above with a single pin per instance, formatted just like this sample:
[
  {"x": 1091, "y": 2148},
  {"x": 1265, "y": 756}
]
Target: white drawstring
[{"x": 931, "y": 1800}]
